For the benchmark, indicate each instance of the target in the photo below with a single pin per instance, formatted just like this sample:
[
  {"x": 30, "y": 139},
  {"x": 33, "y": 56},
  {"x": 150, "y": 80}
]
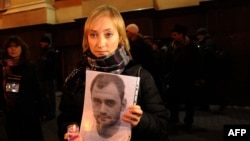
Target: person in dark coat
[
  {"x": 106, "y": 49},
  {"x": 209, "y": 69},
  {"x": 215, "y": 64},
  {"x": 47, "y": 76},
  {"x": 20, "y": 92},
  {"x": 141, "y": 51},
  {"x": 183, "y": 76}
]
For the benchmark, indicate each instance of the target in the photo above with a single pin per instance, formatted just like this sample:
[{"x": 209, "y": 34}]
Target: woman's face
[
  {"x": 14, "y": 50},
  {"x": 103, "y": 37}
]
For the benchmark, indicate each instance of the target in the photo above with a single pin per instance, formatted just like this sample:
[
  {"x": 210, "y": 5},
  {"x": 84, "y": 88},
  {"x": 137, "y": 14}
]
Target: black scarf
[{"x": 114, "y": 63}]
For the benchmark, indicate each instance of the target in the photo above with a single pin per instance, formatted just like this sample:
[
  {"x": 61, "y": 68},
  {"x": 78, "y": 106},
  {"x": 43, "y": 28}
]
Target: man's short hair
[
  {"x": 45, "y": 39},
  {"x": 103, "y": 79},
  {"x": 180, "y": 29},
  {"x": 132, "y": 28}
]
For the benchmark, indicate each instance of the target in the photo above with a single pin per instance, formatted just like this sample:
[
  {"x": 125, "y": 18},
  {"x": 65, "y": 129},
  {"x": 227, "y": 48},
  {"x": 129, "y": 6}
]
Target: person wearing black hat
[
  {"x": 47, "y": 76},
  {"x": 204, "y": 39},
  {"x": 202, "y": 31},
  {"x": 207, "y": 51},
  {"x": 182, "y": 78}
]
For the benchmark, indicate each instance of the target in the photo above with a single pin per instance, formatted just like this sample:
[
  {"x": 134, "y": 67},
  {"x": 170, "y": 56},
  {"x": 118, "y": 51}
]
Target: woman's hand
[
  {"x": 69, "y": 137},
  {"x": 9, "y": 62},
  {"x": 133, "y": 116}
]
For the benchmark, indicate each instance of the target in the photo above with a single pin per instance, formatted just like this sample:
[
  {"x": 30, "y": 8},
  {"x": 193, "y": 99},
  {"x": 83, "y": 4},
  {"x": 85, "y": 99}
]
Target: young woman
[
  {"x": 20, "y": 92},
  {"x": 106, "y": 49}
]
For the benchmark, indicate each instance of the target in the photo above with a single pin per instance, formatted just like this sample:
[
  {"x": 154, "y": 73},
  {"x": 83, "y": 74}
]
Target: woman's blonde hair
[{"x": 115, "y": 16}]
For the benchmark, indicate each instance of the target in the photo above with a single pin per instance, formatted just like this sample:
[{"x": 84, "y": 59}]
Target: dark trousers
[
  {"x": 181, "y": 96},
  {"x": 48, "y": 88},
  {"x": 189, "y": 113},
  {"x": 3, "y": 133}
]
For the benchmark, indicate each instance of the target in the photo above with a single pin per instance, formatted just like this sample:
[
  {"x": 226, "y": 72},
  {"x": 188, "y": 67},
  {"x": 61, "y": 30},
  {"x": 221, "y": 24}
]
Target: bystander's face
[
  {"x": 177, "y": 36},
  {"x": 44, "y": 44},
  {"x": 103, "y": 37},
  {"x": 107, "y": 105},
  {"x": 14, "y": 51},
  {"x": 129, "y": 34},
  {"x": 200, "y": 37}
]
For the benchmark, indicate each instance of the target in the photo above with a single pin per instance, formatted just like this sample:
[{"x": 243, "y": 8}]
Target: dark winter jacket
[
  {"x": 153, "y": 124},
  {"x": 22, "y": 107},
  {"x": 47, "y": 64}
]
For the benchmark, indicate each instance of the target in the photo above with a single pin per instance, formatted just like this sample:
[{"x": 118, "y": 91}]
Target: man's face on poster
[{"x": 107, "y": 105}]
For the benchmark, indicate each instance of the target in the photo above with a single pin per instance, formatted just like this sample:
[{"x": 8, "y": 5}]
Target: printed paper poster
[{"x": 107, "y": 97}]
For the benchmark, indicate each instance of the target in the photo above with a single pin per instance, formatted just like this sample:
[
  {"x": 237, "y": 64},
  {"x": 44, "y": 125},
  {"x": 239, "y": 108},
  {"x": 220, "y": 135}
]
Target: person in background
[
  {"x": 183, "y": 76},
  {"x": 20, "y": 92},
  {"x": 159, "y": 63},
  {"x": 207, "y": 51},
  {"x": 47, "y": 77},
  {"x": 3, "y": 133},
  {"x": 106, "y": 49},
  {"x": 152, "y": 42},
  {"x": 143, "y": 53},
  {"x": 215, "y": 66}
]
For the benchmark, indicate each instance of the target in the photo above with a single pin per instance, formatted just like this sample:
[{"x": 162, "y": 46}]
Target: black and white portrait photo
[{"x": 106, "y": 99}]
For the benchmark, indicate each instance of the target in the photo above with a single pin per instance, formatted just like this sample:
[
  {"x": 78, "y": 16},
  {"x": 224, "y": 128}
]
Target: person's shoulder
[
  {"x": 131, "y": 68},
  {"x": 51, "y": 50},
  {"x": 32, "y": 65},
  {"x": 29, "y": 63},
  {"x": 193, "y": 44},
  {"x": 29, "y": 66},
  {"x": 78, "y": 73},
  {"x": 134, "y": 68},
  {"x": 209, "y": 41}
]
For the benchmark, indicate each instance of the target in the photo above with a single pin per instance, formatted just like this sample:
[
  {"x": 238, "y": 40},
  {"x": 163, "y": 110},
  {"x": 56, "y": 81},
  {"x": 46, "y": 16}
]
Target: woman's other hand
[
  {"x": 133, "y": 115},
  {"x": 69, "y": 137}
]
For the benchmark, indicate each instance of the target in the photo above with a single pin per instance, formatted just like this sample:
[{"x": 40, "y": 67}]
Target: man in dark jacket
[
  {"x": 207, "y": 51},
  {"x": 47, "y": 76},
  {"x": 183, "y": 75},
  {"x": 142, "y": 52}
]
